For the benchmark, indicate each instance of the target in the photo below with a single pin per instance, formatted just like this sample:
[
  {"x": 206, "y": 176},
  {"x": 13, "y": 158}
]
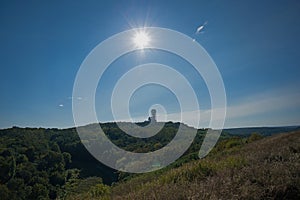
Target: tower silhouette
[{"x": 153, "y": 115}]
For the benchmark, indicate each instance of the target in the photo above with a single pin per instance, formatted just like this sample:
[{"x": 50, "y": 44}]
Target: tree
[
  {"x": 4, "y": 192},
  {"x": 39, "y": 191},
  {"x": 57, "y": 178},
  {"x": 67, "y": 159},
  {"x": 7, "y": 165}
]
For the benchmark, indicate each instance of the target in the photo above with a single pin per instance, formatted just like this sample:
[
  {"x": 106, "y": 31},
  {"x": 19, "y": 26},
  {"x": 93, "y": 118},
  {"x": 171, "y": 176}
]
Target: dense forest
[{"x": 38, "y": 163}]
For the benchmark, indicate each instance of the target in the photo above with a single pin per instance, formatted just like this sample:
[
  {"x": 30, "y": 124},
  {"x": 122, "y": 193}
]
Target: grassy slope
[{"x": 265, "y": 169}]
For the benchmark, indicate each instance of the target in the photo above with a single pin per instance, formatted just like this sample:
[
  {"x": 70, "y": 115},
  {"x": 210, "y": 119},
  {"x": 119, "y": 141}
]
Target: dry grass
[{"x": 265, "y": 169}]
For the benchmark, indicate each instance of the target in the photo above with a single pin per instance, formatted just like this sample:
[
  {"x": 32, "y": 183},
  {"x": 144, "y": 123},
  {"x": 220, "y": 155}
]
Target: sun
[{"x": 141, "y": 39}]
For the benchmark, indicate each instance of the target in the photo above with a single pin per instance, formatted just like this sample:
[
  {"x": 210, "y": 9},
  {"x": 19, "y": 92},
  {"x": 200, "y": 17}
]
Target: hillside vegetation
[
  {"x": 37, "y": 163},
  {"x": 267, "y": 168}
]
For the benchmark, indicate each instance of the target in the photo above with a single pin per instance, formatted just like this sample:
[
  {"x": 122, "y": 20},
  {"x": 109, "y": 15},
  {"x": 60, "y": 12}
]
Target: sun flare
[{"x": 141, "y": 39}]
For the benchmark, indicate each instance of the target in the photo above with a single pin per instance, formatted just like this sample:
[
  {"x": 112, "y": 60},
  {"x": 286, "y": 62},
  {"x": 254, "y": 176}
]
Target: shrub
[
  {"x": 254, "y": 137},
  {"x": 100, "y": 190}
]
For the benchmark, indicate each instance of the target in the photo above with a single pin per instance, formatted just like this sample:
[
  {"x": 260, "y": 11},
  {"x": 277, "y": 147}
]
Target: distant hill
[{"x": 265, "y": 131}]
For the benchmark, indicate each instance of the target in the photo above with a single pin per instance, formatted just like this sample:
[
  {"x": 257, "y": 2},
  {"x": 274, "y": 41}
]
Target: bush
[
  {"x": 100, "y": 190},
  {"x": 254, "y": 137}
]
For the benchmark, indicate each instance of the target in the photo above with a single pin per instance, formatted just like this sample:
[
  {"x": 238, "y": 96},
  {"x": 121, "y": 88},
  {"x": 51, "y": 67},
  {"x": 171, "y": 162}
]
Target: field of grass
[{"x": 253, "y": 168}]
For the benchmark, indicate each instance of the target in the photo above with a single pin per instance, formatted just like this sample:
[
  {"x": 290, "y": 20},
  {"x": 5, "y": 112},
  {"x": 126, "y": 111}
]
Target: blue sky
[{"x": 255, "y": 45}]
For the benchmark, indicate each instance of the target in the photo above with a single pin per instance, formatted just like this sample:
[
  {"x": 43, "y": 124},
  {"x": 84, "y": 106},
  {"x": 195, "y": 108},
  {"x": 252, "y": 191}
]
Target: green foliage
[
  {"x": 91, "y": 188},
  {"x": 32, "y": 166},
  {"x": 100, "y": 190},
  {"x": 52, "y": 163},
  {"x": 39, "y": 191},
  {"x": 7, "y": 165},
  {"x": 254, "y": 137},
  {"x": 4, "y": 192},
  {"x": 67, "y": 158}
]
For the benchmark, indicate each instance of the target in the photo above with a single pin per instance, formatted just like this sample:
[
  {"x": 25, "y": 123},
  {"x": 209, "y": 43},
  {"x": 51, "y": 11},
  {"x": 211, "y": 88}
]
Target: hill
[
  {"x": 267, "y": 168},
  {"x": 265, "y": 131},
  {"x": 38, "y": 163}
]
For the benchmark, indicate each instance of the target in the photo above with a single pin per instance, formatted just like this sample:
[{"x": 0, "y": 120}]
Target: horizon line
[{"x": 73, "y": 126}]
